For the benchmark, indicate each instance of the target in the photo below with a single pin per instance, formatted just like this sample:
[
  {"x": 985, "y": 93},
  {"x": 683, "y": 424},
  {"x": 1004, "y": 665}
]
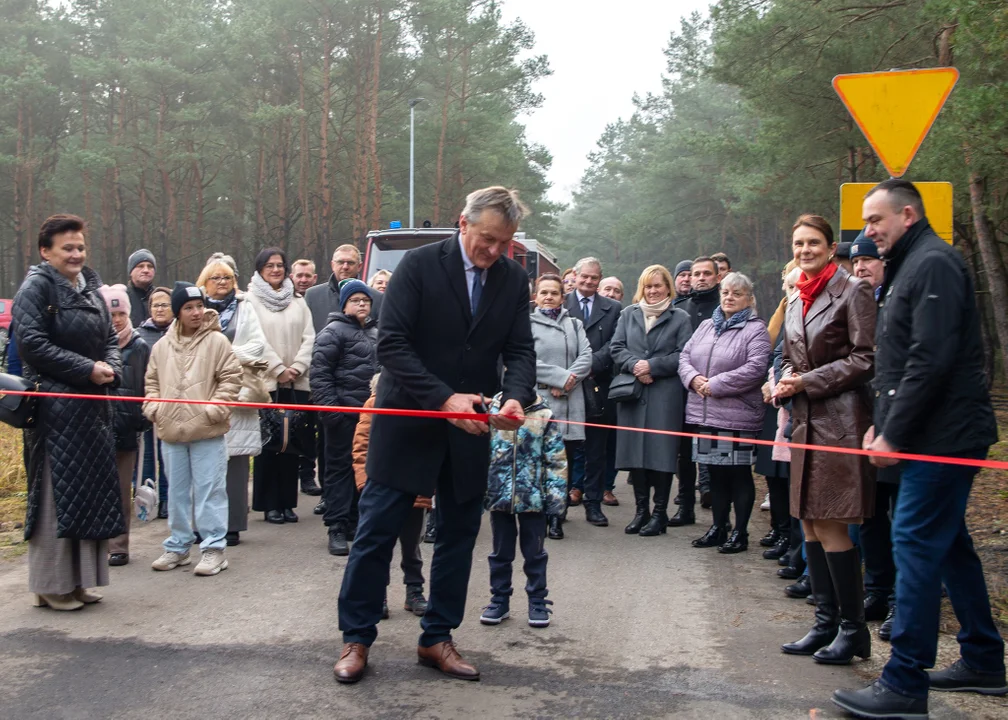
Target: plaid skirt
[{"x": 729, "y": 449}]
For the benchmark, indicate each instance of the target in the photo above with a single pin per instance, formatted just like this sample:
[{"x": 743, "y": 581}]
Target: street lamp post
[{"x": 412, "y": 105}]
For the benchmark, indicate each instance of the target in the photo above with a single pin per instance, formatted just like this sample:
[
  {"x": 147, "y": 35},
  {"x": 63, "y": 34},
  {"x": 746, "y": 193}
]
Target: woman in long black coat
[{"x": 68, "y": 345}]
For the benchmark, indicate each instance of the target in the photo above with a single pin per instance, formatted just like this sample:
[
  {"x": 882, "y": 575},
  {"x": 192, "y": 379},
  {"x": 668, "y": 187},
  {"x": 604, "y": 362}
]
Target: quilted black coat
[
  {"x": 344, "y": 360},
  {"x": 61, "y": 333},
  {"x": 129, "y": 417}
]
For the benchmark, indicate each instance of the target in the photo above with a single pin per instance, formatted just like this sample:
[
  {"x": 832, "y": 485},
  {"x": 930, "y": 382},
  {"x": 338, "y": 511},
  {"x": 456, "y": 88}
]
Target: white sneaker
[
  {"x": 212, "y": 562},
  {"x": 171, "y": 560},
  {"x": 766, "y": 503}
]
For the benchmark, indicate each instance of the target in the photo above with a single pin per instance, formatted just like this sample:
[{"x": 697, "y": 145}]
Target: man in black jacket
[
  {"x": 452, "y": 310},
  {"x": 930, "y": 398},
  {"x": 141, "y": 268},
  {"x": 599, "y": 316}
]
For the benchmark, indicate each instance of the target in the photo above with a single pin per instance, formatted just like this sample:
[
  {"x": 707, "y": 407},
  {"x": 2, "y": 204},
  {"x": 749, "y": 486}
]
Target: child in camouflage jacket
[{"x": 527, "y": 481}]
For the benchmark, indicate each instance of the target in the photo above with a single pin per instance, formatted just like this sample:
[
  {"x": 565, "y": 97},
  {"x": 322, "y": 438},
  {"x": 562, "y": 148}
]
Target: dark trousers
[
  {"x": 529, "y": 529},
  {"x": 306, "y": 465},
  {"x": 383, "y": 511},
  {"x": 274, "y": 482},
  {"x": 932, "y": 547},
  {"x": 340, "y": 488},
  {"x": 732, "y": 484},
  {"x": 575, "y": 465},
  {"x": 687, "y": 472},
  {"x": 610, "y": 470},
  {"x": 875, "y": 538},
  {"x": 409, "y": 546},
  {"x": 780, "y": 504},
  {"x": 320, "y": 440},
  {"x": 596, "y": 454}
]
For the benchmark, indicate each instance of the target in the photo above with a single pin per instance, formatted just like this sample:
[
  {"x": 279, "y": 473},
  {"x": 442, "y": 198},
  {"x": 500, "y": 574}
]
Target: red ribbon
[{"x": 484, "y": 417}]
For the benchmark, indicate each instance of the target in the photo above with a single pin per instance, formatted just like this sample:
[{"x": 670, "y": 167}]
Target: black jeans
[
  {"x": 732, "y": 484},
  {"x": 340, "y": 488},
  {"x": 306, "y": 465},
  {"x": 687, "y": 472},
  {"x": 383, "y": 511},
  {"x": 274, "y": 482},
  {"x": 529, "y": 529},
  {"x": 780, "y": 509},
  {"x": 409, "y": 545},
  {"x": 876, "y": 544}
]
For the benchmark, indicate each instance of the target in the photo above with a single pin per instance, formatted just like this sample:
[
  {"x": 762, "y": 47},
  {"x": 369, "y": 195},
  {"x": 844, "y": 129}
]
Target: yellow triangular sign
[{"x": 896, "y": 109}]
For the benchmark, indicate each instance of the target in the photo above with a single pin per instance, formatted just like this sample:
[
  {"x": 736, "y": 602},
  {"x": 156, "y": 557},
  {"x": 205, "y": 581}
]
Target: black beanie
[
  {"x": 182, "y": 293},
  {"x": 683, "y": 266}
]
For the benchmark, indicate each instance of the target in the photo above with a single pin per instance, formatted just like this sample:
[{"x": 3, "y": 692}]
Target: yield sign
[{"x": 896, "y": 109}]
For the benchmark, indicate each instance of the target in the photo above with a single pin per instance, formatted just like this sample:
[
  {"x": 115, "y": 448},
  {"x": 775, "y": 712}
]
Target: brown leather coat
[{"x": 832, "y": 348}]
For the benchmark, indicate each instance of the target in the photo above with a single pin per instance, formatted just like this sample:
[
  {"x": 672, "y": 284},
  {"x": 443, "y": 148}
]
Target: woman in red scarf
[{"x": 829, "y": 334}]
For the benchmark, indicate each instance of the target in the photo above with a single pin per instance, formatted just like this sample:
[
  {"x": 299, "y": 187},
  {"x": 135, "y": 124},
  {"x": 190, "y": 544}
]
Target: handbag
[
  {"x": 592, "y": 399},
  {"x": 17, "y": 410},
  {"x": 286, "y": 432},
  {"x": 625, "y": 388}
]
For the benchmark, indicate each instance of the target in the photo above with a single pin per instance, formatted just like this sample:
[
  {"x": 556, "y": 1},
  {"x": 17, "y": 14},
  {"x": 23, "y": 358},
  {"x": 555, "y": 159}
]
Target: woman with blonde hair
[
  {"x": 645, "y": 349},
  {"x": 380, "y": 280},
  {"x": 240, "y": 325}
]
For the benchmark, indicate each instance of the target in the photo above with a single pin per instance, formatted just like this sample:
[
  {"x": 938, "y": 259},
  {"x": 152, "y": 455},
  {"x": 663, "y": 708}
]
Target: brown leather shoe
[
  {"x": 609, "y": 499},
  {"x": 353, "y": 660},
  {"x": 575, "y": 497},
  {"x": 446, "y": 658}
]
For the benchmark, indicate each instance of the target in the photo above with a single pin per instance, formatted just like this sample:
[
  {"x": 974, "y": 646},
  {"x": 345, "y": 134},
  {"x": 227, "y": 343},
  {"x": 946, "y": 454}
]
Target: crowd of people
[{"x": 848, "y": 359}]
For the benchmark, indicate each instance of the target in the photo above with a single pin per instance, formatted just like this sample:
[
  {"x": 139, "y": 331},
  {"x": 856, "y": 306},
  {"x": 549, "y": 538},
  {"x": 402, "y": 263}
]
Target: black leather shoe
[
  {"x": 705, "y": 502},
  {"x": 682, "y": 517},
  {"x": 595, "y": 516},
  {"x": 275, "y": 516},
  {"x": 384, "y": 609},
  {"x": 338, "y": 542},
  {"x": 290, "y": 516},
  {"x": 778, "y": 550},
  {"x": 876, "y": 607},
  {"x": 656, "y": 525},
  {"x": 800, "y": 589},
  {"x": 311, "y": 489},
  {"x": 878, "y": 701},
  {"x": 738, "y": 542},
  {"x": 320, "y": 508},
  {"x": 232, "y": 539},
  {"x": 118, "y": 559},
  {"x": 885, "y": 629},
  {"x": 770, "y": 539},
  {"x": 162, "y": 511},
  {"x": 715, "y": 536},
  {"x": 555, "y": 531},
  {"x": 960, "y": 677},
  {"x": 789, "y": 573}
]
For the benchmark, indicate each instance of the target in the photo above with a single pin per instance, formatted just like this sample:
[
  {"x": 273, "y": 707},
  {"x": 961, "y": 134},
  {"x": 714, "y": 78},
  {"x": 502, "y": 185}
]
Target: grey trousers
[{"x": 125, "y": 465}]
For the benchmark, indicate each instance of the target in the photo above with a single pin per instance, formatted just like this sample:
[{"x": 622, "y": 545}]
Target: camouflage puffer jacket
[{"x": 528, "y": 467}]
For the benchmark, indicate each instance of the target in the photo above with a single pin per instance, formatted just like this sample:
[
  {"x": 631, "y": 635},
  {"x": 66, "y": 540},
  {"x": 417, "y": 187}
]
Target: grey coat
[
  {"x": 661, "y": 404},
  {"x": 562, "y": 350}
]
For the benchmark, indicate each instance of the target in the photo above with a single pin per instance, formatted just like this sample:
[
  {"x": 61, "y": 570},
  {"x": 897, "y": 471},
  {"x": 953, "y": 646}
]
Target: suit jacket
[
  {"x": 599, "y": 327},
  {"x": 430, "y": 347}
]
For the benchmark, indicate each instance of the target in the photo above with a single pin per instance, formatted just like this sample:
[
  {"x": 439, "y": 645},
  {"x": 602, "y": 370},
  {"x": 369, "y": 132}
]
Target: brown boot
[
  {"x": 353, "y": 660},
  {"x": 446, "y": 658}
]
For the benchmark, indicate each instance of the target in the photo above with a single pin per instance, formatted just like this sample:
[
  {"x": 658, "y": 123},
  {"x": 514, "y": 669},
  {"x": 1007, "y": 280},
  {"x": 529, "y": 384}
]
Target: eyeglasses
[
  {"x": 221, "y": 278},
  {"x": 346, "y": 262},
  {"x": 160, "y": 306},
  {"x": 359, "y": 301}
]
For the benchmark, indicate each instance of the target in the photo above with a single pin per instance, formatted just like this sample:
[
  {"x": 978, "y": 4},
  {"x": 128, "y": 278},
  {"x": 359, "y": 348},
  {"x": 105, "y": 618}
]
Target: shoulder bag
[
  {"x": 17, "y": 410},
  {"x": 286, "y": 432},
  {"x": 625, "y": 388}
]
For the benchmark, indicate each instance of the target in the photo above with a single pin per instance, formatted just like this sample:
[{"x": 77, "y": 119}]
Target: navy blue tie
[
  {"x": 477, "y": 290},
  {"x": 584, "y": 308}
]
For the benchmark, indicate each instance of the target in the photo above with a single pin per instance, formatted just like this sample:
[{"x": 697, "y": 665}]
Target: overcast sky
[{"x": 601, "y": 53}]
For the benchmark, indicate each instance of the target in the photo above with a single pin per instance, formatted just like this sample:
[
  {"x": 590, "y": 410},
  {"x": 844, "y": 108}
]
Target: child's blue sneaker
[
  {"x": 539, "y": 613},
  {"x": 496, "y": 612}
]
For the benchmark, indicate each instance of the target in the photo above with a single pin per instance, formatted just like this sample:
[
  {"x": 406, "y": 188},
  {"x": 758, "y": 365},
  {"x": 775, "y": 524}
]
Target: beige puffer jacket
[{"x": 200, "y": 367}]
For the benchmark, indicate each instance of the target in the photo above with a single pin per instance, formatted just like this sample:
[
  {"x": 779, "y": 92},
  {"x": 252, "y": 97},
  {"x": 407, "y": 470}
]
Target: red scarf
[{"x": 811, "y": 288}]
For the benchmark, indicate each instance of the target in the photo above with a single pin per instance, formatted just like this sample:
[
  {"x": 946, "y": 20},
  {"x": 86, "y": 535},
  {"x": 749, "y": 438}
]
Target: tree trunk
[
  {"x": 261, "y": 229},
  {"x": 85, "y": 96},
  {"x": 439, "y": 166},
  {"x": 281, "y": 170},
  {"x": 997, "y": 279},
  {"x": 373, "y": 131},
  {"x": 975, "y": 270},
  {"x": 303, "y": 161}
]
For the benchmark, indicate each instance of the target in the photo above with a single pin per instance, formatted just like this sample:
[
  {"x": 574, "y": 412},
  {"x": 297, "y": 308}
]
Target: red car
[{"x": 5, "y": 319}]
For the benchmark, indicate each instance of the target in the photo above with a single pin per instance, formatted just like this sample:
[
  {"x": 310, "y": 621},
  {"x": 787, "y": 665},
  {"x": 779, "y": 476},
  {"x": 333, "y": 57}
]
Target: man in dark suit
[
  {"x": 599, "y": 315},
  {"x": 451, "y": 311}
]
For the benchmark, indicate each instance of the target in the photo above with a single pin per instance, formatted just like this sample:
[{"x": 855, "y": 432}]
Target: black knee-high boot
[
  {"x": 638, "y": 479},
  {"x": 827, "y": 615},
  {"x": 659, "y": 518},
  {"x": 780, "y": 533},
  {"x": 853, "y": 638}
]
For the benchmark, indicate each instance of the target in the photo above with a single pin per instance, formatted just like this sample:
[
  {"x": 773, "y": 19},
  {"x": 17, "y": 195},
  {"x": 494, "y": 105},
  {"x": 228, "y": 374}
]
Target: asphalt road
[{"x": 643, "y": 627}]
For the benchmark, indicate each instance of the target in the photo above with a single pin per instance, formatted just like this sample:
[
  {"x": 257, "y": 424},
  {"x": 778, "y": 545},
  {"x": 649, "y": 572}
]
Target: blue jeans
[
  {"x": 932, "y": 547},
  {"x": 148, "y": 466},
  {"x": 198, "y": 472}
]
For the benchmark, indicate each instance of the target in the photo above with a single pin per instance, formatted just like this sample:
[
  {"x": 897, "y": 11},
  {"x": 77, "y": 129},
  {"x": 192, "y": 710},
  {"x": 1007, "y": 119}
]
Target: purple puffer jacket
[{"x": 735, "y": 364}]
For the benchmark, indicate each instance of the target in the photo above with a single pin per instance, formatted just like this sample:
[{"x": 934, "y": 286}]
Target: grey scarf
[{"x": 274, "y": 300}]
